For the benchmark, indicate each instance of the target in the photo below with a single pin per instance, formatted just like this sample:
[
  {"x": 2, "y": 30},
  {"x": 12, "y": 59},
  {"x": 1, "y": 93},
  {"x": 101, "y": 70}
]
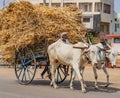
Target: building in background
[
  {"x": 98, "y": 15},
  {"x": 117, "y": 23},
  {"x": 4, "y": 3}
]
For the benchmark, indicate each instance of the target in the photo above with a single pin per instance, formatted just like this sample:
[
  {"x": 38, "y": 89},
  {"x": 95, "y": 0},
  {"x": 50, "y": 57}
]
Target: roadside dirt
[{"x": 6, "y": 72}]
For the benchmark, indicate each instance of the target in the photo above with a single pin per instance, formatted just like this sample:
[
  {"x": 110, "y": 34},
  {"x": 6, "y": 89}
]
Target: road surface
[{"x": 39, "y": 88}]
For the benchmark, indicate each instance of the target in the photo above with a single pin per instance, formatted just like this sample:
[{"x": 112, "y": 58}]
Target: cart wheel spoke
[
  {"x": 59, "y": 77},
  {"x": 19, "y": 67},
  {"x": 20, "y": 59},
  {"x": 61, "y": 68},
  {"x": 61, "y": 74},
  {"x": 28, "y": 62},
  {"x": 25, "y": 65},
  {"x": 28, "y": 72},
  {"x": 20, "y": 73},
  {"x": 24, "y": 76}
]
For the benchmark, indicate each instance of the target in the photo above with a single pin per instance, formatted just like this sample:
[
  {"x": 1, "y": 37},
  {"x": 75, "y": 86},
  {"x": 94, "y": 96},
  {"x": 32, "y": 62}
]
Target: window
[
  {"x": 86, "y": 7},
  {"x": 105, "y": 27},
  {"x": 107, "y": 8},
  {"x": 98, "y": 7},
  {"x": 115, "y": 19},
  {"x": 55, "y": 4},
  {"x": 118, "y": 25},
  {"x": 69, "y": 4},
  {"x": 102, "y": 28},
  {"x": 117, "y": 40},
  {"x": 86, "y": 19},
  {"x": 115, "y": 27}
]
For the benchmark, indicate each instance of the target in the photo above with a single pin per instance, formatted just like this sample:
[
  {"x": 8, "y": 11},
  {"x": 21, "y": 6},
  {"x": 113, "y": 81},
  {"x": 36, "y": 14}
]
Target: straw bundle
[{"x": 23, "y": 24}]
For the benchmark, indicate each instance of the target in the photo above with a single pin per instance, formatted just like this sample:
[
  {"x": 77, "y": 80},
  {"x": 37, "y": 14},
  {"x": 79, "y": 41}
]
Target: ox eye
[
  {"x": 93, "y": 51},
  {"x": 113, "y": 54}
]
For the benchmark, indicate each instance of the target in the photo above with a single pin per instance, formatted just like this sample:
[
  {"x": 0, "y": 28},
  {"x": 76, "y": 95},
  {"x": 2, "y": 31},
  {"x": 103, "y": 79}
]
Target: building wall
[
  {"x": 90, "y": 8},
  {"x": 104, "y": 16},
  {"x": 107, "y": 19},
  {"x": 116, "y": 29}
]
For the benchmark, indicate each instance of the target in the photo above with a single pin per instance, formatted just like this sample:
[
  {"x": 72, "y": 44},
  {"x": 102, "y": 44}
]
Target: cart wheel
[
  {"x": 25, "y": 65},
  {"x": 61, "y": 73}
]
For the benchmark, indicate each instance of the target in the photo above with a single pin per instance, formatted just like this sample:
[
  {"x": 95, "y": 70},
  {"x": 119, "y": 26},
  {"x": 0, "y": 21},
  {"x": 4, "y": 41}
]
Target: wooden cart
[{"x": 30, "y": 58}]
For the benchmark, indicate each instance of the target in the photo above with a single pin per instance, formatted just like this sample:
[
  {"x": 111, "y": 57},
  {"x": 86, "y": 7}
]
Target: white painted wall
[
  {"x": 88, "y": 25},
  {"x": 109, "y": 18},
  {"x": 117, "y": 16}
]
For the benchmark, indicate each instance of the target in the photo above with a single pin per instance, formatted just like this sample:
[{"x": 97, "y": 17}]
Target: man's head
[
  {"x": 103, "y": 41},
  {"x": 64, "y": 35}
]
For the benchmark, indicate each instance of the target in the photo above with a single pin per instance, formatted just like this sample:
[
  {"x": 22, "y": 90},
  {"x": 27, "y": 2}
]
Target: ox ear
[{"x": 108, "y": 51}]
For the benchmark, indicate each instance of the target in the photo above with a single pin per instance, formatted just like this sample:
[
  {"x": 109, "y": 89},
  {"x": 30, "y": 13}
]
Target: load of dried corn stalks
[{"x": 23, "y": 24}]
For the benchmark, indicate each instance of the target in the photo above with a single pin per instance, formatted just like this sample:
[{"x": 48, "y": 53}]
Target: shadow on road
[{"x": 90, "y": 86}]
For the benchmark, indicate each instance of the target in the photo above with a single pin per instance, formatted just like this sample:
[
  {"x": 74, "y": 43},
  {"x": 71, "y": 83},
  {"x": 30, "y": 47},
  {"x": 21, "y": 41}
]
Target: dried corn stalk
[{"x": 23, "y": 24}]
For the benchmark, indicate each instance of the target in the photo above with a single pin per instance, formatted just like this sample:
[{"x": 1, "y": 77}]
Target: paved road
[{"x": 9, "y": 87}]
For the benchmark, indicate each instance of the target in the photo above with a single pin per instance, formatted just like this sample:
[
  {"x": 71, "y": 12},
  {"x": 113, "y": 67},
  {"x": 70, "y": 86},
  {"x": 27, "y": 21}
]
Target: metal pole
[
  {"x": 3, "y": 4},
  {"x": 50, "y": 3},
  {"x": 44, "y": 2},
  {"x": 62, "y": 1}
]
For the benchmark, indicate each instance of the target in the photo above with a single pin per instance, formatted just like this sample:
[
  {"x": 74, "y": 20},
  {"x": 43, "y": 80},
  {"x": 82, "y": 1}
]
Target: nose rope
[{"x": 87, "y": 57}]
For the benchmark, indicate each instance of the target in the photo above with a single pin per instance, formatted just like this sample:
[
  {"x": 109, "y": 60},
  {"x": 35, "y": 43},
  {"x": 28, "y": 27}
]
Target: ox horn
[
  {"x": 89, "y": 41},
  {"x": 79, "y": 47}
]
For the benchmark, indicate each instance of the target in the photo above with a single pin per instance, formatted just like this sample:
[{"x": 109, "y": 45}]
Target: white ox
[
  {"x": 61, "y": 53},
  {"x": 98, "y": 60},
  {"x": 112, "y": 56}
]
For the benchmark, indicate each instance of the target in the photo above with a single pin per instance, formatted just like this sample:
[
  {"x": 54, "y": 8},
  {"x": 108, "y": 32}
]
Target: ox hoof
[
  {"x": 72, "y": 88},
  {"x": 85, "y": 85},
  {"x": 107, "y": 85},
  {"x": 51, "y": 84},
  {"x": 96, "y": 87},
  {"x": 55, "y": 87},
  {"x": 84, "y": 91}
]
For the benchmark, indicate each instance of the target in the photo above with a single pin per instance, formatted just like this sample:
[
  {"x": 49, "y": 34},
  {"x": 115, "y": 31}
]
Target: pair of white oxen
[{"x": 77, "y": 56}]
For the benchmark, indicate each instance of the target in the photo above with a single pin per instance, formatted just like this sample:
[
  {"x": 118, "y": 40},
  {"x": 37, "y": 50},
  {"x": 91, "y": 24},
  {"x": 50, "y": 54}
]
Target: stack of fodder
[{"x": 23, "y": 24}]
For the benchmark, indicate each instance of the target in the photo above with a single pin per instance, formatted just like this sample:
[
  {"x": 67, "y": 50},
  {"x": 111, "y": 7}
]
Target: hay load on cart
[
  {"x": 23, "y": 24},
  {"x": 26, "y": 30}
]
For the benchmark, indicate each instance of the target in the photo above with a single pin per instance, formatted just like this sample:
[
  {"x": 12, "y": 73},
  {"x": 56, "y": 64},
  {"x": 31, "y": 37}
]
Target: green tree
[{"x": 91, "y": 37}]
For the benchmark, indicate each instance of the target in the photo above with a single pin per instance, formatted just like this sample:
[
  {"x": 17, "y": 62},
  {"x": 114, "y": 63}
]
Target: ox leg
[
  {"x": 72, "y": 79},
  {"x": 96, "y": 77},
  {"x": 53, "y": 83},
  {"x": 76, "y": 69},
  {"x": 81, "y": 71},
  {"x": 107, "y": 76}
]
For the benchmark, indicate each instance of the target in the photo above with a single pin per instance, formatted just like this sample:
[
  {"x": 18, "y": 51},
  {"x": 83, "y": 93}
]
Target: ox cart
[{"x": 28, "y": 59}]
